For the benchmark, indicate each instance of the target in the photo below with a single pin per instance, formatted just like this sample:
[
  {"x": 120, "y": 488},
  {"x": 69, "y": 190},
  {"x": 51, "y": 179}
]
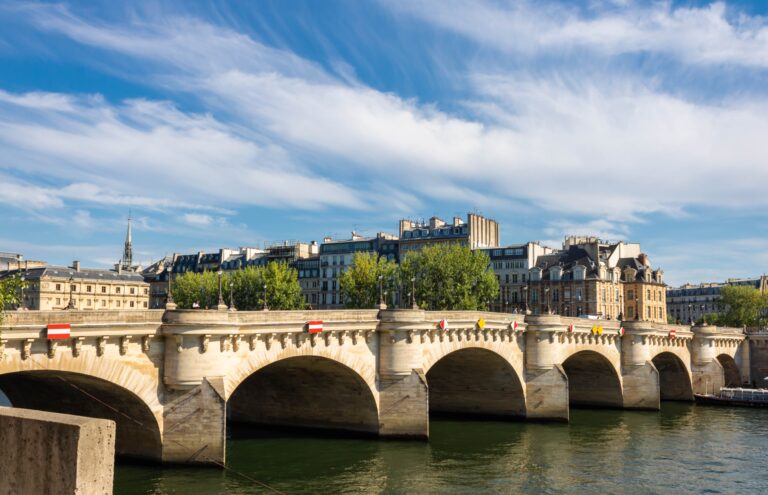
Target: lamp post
[
  {"x": 220, "y": 305},
  {"x": 231, "y": 299},
  {"x": 637, "y": 309},
  {"x": 413, "y": 293},
  {"x": 382, "y": 304},
  {"x": 71, "y": 304},
  {"x": 690, "y": 314},
  {"x": 169, "y": 297},
  {"x": 265, "y": 308},
  {"x": 549, "y": 308},
  {"x": 525, "y": 298},
  {"x": 22, "y": 305}
]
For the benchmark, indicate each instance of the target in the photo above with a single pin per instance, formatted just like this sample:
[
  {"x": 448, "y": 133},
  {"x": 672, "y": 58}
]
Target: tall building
[
  {"x": 691, "y": 302},
  {"x": 594, "y": 277},
  {"x": 511, "y": 265},
  {"x": 56, "y": 288},
  {"x": 336, "y": 256},
  {"x": 477, "y": 232},
  {"x": 126, "y": 262}
]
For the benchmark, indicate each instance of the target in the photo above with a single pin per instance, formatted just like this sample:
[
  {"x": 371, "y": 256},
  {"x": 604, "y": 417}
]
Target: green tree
[
  {"x": 742, "y": 305},
  {"x": 450, "y": 276},
  {"x": 10, "y": 292},
  {"x": 201, "y": 288},
  {"x": 360, "y": 284},
  {"x": 283, "y": 290}
]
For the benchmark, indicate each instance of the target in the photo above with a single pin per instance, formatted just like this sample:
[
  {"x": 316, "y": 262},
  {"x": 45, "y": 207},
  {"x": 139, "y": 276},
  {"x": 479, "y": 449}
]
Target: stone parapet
[{"x": 47, "y": 452}]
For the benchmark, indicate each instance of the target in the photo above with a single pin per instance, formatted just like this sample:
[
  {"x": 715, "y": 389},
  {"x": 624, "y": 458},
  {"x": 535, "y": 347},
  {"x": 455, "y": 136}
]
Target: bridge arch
[
  {"x": 674, "y": 377},
  {"x": 475, "y": 381},
  {"x": 731, "y": 373},
  {"x": 309, "y": 390},
  {"x": 137, "y": 428},
  {"x": 593, "y": 380}
]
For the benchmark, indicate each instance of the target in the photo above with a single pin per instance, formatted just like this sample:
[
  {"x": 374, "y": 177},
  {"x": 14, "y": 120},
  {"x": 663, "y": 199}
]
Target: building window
[
  {"x": 87, "y": 288},
  {"x": 103, "y": 303},
  {"x": 145, "y": 304},
  {"x": 58, "y": 300},
  {"x": 117, "y": 290},
  {"x": 103, "y": 289},
  {"x": 58, "y": 286},
  {"x": 146, "y": 291},
  {"x": 131, "y": 303},
  {"x": 117, "y": 303},
  {"x": 133, "y": 291},
  {"x": 72, "y": 288}
]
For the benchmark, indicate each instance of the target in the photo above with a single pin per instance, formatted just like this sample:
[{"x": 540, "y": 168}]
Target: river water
[{"x": 682, "y": 449}]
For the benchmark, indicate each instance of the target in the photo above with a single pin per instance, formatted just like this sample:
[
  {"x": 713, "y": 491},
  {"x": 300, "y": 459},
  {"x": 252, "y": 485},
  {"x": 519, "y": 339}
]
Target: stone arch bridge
[{"x": 173, "y": 379}]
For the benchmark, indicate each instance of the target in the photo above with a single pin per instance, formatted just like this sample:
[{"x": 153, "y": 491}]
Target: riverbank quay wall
[
  {"x": 50, "y": 453},
  {"x": 172, "y": 380}
]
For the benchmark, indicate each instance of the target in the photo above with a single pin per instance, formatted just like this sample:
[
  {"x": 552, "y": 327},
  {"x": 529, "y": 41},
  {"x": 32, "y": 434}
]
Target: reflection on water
[{"x": 682, "y": 449}]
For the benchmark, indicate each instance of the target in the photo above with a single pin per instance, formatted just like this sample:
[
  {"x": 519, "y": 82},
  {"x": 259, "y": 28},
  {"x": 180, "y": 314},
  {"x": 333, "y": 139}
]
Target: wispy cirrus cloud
[{"x": 694, "y": 35}]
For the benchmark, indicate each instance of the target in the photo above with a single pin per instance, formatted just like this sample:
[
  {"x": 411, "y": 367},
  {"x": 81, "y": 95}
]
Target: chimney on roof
[{"x": 76, "y": 265}]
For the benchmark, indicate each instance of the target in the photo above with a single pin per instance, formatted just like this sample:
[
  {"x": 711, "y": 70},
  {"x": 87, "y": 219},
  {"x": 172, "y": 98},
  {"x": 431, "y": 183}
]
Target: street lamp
[
  {"x": 221, "y": 299},
  {"x": 231, "y": 299},
  {"x": 22, "y": 305},
  {"x": 265, "y": 308},
  {"x": 169, "y": 297},
  {"x": 71, "y": 304},
  {"x": 413, "y": 293},
  {"x": 525, "y": 298},
  {"x": 381, "y": 290},
  {"x": 549, "y": 309}
]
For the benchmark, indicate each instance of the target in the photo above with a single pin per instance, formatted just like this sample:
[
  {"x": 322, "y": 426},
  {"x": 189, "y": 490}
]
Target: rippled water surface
[{"x": 682, "y": 449}]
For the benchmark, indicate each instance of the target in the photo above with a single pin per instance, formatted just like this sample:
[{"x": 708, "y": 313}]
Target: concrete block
[{"x": 49, "y": 453}]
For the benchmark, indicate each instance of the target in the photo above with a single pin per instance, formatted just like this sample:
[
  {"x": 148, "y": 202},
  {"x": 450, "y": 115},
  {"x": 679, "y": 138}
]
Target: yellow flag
[
  {"x": 600, "y": 330},
  {"x": 481, "y": 323}
]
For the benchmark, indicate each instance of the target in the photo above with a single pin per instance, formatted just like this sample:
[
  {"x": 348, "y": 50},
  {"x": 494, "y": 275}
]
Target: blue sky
[{"x": 239, "y": 123}]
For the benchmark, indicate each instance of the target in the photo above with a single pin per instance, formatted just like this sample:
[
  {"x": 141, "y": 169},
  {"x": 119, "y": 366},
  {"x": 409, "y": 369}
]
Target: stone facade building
[
  {"x": 477, "y": 232},
  {"x": 591, "y": 277},
  {"x": 691, "y": 302},
  {"x": 511, "y": 264},
  {"x": 57, "y": 288}
]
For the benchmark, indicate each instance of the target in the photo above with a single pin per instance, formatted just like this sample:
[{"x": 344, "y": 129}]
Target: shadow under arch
[
  {"x": 731, "y": 374},
  {"x": 475, "y": 382},
  {"x": 137, "y": 430},
  {"x": 674, "y": 377},
  {"x": 592, "y": 381},
  {"x": 306, "y": 392}
]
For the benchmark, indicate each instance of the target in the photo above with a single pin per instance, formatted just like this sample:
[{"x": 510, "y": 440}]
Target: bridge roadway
[{"x": 173, "y": 379}]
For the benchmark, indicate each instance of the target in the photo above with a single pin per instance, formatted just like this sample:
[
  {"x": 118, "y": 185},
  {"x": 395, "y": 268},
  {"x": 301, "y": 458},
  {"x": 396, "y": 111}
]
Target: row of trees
[
  {"x": 445, "y": 276},
  {"x": 247, "y": 288},
  {"x": 740, "y": 306},
  {"x": 10, "y": 291}
]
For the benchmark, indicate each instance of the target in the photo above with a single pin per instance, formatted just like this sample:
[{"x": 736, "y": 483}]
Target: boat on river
[{"x": 743, "y": 397}]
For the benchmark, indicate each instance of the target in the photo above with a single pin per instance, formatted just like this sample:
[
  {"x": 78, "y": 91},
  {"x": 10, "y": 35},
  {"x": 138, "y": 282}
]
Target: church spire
[{"x": 127, "y": 262}]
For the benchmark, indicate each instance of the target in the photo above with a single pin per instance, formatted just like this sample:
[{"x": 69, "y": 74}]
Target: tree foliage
[
  {"x": 360, "y": 284},
  {"x": 450, "y": 276},
  {"x": 283, "y": 290},
  {"x": 200, "y": 288},
  {"x": 742, "y": 305},
  {"x": 10, "y": 292}
]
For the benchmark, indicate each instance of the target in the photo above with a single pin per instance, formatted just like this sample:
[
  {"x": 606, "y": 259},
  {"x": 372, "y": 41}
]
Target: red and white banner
[
  {"x": 514, "y": 325},
  {"x": 443, "y": 324},
  {"x": 58, "y": 331},
  {"x": 672, "y": 334},
  {"x": 315, "y": 326},
  {"x": 621, "y": 331}
]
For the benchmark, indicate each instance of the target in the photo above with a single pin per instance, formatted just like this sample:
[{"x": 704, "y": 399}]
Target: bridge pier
[
  {"x": 403, "y": 389},
  {"x": 546, "y": 381},
  {"x": 707, "y": 374},
  {"x": 640, "y": 377},
  {"x": 195, "y": 425}
]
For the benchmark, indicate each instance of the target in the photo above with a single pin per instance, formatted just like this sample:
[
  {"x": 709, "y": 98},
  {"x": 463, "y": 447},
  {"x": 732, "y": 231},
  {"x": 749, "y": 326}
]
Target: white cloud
[
  {"x": 197, "y": 219},
  {"x": 583, "y": 145},
  {"x": 695, "y": 35}
]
